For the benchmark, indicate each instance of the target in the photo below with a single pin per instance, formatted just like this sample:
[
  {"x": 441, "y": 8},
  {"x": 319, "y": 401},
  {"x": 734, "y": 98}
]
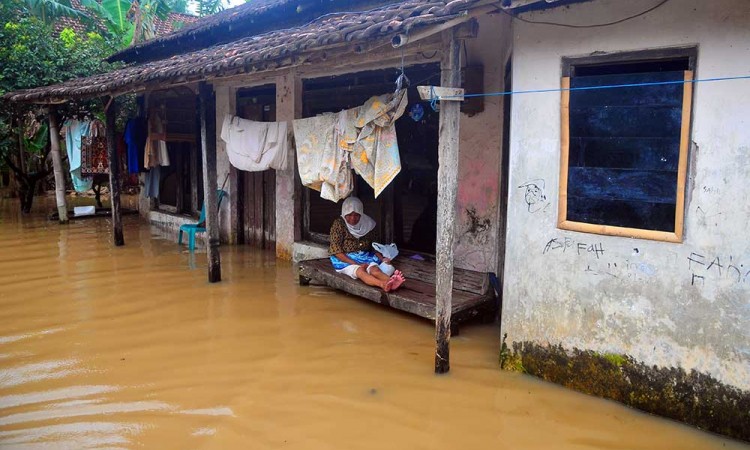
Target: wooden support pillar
[
  {"x": 54, "y": 139},
  {"x": 114, "y": 172},
  {"x": 210, "y": 186},
  {"x": 447, "y": 187},
  {"x": 288, "y": 189}
]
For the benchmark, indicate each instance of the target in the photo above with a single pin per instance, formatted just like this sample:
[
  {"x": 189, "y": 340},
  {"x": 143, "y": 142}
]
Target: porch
[{"x": 472, "y": 297}]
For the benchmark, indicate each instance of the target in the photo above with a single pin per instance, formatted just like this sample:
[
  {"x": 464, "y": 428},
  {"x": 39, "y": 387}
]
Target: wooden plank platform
[{"x": 472, "y": 294}]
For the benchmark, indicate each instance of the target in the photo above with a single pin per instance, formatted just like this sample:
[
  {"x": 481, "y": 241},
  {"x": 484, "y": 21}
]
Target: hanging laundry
[
  {"x": 156, "y": 147},
  {"x": 255, "y": 146},
  {"x": 375, "y": 156},
  {"x": 323, "y": 163},
  {"x": 75, "y": 130},
  {"x": 151, "y": 182},
  {"x": 329, "y": 146},
  {"x": 94, "y": 157},
  {"x": 136, "y": 134}
]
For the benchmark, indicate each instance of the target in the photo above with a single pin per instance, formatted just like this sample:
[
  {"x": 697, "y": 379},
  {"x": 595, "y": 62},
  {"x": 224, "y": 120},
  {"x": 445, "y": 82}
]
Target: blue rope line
[{"x": 434, "y": 99}]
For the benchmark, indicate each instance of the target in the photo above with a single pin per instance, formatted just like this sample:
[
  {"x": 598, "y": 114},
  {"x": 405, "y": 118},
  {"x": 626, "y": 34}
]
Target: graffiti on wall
[
  {"x": 704, "y": 268},
  {"x": 474, "y": 241},
  {"x": 569, "y": 245},
  {"x": 534, "y": 195}
]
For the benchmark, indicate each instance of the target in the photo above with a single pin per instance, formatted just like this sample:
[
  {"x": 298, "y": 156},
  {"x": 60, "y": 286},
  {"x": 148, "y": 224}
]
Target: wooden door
[
  {"x": 259, "y": 207},
  {"x": 258, "y": 200}
]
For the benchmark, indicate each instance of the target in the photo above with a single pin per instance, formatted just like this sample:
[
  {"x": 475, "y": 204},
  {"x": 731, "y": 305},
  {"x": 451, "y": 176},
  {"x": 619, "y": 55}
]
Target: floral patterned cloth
[
  {"x": 375, "y": 154},
  {"x": 94, "y": 158},
  {"x": 362, "y": 138}
]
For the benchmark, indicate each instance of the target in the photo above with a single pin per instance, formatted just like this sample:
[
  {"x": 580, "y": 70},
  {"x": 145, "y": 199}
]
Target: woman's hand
[{"x": 382, "y": 258}]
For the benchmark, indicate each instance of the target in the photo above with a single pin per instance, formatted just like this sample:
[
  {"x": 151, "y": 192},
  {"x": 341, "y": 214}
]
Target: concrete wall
[
  {"x": 671, "y": 305},
  {"x": 477, "y": 227}
]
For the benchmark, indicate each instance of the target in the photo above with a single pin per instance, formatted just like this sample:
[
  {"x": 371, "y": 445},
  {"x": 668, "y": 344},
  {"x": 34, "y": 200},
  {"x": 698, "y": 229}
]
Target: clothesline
[{"x": 435, "y": 98}]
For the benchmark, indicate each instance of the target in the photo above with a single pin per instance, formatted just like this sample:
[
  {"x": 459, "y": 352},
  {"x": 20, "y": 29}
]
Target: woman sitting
[{"x": 351, "y": 250}]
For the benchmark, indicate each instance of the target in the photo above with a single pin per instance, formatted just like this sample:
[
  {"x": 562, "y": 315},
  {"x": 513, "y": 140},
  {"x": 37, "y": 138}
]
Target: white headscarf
[{"x": 365, "y": 224}]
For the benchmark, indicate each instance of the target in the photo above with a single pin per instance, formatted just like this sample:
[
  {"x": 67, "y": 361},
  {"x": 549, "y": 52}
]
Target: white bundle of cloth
[{"x": 255, "y": 146}]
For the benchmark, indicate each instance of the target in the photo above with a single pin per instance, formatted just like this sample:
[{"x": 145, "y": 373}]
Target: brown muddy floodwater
[{"x": 132, "y": 348}]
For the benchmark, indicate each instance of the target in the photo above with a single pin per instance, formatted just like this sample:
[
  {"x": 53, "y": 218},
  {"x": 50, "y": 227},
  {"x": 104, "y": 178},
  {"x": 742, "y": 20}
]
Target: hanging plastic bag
[{"x": 389, "y": 251}]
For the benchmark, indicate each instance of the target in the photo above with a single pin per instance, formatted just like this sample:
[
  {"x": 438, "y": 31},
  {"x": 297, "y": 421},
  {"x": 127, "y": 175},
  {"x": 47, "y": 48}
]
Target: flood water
[{"x": 130, "y": 347}]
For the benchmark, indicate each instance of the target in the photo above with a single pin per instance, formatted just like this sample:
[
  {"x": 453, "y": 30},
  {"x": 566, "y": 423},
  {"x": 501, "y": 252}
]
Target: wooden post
[
  {"x": 54, "y": 139},
  {"x": 288, "y": 189},
  {"x": 447, "y": 187},
  {"x": 210, "y": 197},
  {"x": 114, "y": 173}
]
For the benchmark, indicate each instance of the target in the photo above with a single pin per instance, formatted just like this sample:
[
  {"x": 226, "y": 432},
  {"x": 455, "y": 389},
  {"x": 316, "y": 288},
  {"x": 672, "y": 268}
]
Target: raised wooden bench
[{"x": 472, "y": 293}]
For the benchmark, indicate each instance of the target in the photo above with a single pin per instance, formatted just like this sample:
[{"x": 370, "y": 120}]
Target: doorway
[{"x": 257, "y": 199}]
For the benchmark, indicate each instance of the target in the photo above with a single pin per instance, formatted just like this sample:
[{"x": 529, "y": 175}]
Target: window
[{"x": 624, "y": 150}]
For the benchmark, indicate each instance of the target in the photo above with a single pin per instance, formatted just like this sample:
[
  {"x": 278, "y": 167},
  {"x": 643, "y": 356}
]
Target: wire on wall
[{"x": 598, "y": 25}]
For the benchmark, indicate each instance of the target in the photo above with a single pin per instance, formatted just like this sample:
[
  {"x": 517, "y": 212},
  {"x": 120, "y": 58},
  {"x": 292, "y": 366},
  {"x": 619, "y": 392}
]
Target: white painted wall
[{"x": 638, "y": 297}]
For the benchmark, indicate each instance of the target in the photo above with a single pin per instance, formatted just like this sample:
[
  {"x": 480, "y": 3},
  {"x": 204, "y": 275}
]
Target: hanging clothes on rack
[
  {"x": 152, "y": 182},
  {"x": 94, "y": 157},
  {"x": 255, "y": 146},
  {"x": 156, "y": 153},
  {"x": 136, "y": 134},
  {"x": 329, "y": 146},
  {"x": 75, "y": 130}
]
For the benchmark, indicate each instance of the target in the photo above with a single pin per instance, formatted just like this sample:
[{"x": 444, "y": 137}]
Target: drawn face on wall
[
  {"x": 535, "y": 198},
  {"x": 534, "y": 194}
]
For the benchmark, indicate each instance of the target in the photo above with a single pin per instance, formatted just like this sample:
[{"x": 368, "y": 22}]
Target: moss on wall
[{"x": 691, "y": 397}]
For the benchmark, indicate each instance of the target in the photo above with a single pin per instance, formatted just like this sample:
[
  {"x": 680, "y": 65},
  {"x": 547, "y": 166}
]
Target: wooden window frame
[{"x": 611, "y": 230}]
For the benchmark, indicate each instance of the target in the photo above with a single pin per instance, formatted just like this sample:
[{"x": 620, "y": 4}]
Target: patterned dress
[{"x": 358, "y": 250}]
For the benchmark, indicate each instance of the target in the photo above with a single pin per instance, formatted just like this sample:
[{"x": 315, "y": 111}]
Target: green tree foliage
[
  {"x": 32, "y": 55},
  {"x": 130, "y": 20},
  {"x": 208, "y": 7},
  {"x": 49, "y": 10}
]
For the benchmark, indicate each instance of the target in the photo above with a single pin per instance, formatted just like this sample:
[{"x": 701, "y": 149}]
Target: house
[
  {"x": 600, "y": 192},
  {"x": 627, "y": 258}
]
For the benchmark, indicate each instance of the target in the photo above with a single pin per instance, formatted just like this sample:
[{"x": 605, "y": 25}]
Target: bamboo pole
[
  {"x": 54, "y": 139},
  {"x": 447, "y": 187},
  {"x": 210, "y": 197},
  {"x": 114, "y": 173}
]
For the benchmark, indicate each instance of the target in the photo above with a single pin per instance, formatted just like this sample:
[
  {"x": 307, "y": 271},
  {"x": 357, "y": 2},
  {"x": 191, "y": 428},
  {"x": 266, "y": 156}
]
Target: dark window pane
[{"x": 624, "y": 150}]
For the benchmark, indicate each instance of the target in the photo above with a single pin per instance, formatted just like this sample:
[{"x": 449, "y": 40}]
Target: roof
[
  {"x": 253, "y": 18},
  {"x": 271, "y": 50}
]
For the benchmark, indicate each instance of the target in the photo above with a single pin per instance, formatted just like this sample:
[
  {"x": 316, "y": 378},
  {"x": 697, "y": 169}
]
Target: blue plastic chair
[{"x": 193, "y": 228}]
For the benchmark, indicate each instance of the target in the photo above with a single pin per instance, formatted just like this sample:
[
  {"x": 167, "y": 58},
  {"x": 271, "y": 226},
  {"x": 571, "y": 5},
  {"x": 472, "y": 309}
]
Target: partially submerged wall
[{"x": 681, "y": 307}]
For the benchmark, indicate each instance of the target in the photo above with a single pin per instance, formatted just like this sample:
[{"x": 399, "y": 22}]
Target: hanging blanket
[
  {"x": 255, "y": 146},
  {"x": 75, "y": 130},
  {"x": 323, "y": 164},
  {"x": 362, "y": 138},
  {"x": 94, "y": 158},
  {"x": 375, "y": 154}
]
